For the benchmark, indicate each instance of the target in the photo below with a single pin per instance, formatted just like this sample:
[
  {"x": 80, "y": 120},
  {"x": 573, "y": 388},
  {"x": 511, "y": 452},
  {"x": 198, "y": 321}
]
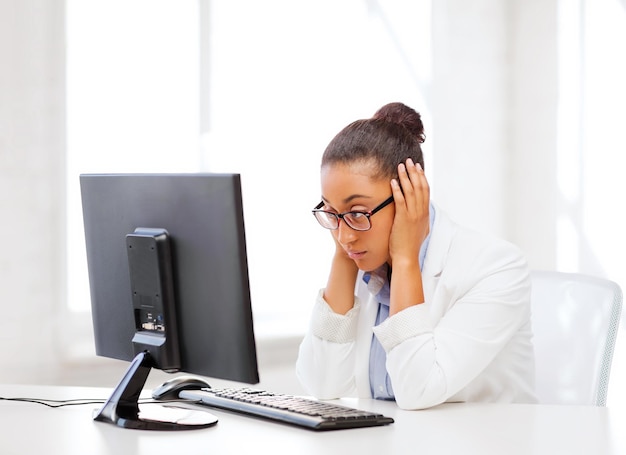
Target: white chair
[{"x": 575, "y": 320}]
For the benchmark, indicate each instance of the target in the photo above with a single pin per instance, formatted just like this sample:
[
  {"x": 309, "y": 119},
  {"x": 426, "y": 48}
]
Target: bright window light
[{"x": 257, "y": 88}]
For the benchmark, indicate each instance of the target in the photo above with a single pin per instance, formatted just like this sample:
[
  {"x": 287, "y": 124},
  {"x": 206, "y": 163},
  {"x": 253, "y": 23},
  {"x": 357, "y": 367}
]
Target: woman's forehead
[
  {"x": 342, "y": 182},
  {"x": 359, "y": 168}
]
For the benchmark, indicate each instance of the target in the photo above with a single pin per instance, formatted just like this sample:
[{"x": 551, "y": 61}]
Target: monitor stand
[{"x": 122, "y": 408}]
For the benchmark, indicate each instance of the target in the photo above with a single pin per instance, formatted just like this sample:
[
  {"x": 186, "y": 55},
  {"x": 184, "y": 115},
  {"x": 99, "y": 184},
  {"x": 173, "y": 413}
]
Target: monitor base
[{"x": 123, "y": 409}]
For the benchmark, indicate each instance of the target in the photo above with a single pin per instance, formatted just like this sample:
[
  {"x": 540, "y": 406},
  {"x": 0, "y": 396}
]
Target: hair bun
[{"x": 402, "y": 114}]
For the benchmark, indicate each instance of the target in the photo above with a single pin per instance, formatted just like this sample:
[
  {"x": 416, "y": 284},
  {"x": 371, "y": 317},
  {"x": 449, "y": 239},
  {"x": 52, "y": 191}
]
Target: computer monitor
[{"x": 168, "y": 275}]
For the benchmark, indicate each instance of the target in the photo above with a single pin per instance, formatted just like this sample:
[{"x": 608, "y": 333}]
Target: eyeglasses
[{"x": 359, "y": 221}]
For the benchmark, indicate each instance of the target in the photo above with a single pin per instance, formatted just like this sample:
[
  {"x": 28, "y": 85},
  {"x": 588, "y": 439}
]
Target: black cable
[
  {"x": 54, "y": 403},
  {"x": 82, "y": 401}
]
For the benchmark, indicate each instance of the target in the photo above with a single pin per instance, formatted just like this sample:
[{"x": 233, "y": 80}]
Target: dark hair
[{"x": 392, "y": 135}]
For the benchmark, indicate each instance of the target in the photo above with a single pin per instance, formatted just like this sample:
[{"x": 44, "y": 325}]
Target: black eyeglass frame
[{"x": 339, "y": 216}]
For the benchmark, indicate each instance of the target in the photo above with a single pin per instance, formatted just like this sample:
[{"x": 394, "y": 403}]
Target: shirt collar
[{"x": 376, "y": 279}]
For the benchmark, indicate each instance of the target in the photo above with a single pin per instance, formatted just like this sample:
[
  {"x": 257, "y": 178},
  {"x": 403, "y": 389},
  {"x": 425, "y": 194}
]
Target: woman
[{"x": 416, "y": 309}]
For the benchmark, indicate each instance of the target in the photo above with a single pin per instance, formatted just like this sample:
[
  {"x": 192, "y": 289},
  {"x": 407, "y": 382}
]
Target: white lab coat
[{"x": 469, "y": 341}]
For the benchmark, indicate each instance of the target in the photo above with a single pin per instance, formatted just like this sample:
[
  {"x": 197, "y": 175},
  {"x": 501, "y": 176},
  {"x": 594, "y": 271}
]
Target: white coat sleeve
[{"x": 326, "y": 359}]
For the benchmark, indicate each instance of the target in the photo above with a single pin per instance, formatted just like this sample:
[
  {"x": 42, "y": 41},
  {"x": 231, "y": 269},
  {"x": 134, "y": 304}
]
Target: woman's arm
[
  {"x": 410, "y": 228},
  {"x": 326, "y": 359},
  {"x": 432, "y": 357},
  {"x": 327, "y": 356},
  {"x": 339, "y": 292}
]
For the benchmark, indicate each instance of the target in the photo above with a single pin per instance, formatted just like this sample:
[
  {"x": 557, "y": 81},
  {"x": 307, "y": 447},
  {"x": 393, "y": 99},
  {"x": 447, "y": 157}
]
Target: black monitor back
[{"x": 204, "y": 216}]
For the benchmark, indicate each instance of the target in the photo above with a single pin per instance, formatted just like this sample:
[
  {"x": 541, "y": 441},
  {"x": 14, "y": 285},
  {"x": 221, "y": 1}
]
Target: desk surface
[{"x": 475, "y": 428}]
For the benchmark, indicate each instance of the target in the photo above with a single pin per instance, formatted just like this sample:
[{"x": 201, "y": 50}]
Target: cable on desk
[
  {"x": 54, "y": 403},
  {"x": 78, "y": 401}
]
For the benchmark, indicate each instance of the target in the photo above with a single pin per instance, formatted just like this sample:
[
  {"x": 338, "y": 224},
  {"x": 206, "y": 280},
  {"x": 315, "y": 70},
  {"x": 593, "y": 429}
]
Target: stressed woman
[{"x": 417, "y": 309}]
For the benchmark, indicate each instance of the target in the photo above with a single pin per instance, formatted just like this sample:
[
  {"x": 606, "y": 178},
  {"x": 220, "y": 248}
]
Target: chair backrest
[{"x": 575, "y": 320}]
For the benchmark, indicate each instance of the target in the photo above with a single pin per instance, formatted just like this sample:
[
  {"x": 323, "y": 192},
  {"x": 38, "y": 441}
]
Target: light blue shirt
[{"x": 378, "y": 284}]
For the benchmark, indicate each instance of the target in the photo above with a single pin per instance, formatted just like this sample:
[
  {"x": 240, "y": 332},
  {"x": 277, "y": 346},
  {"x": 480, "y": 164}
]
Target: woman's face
[{"x": 349, "y": 187}]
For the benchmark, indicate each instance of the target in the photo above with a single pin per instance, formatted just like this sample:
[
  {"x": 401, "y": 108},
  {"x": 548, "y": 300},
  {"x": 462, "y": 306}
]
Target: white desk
[{"x": 448, "y": 429}]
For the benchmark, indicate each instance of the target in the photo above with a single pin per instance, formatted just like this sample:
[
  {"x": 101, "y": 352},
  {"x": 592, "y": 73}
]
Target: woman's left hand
[{"x": 411, "y": 223}]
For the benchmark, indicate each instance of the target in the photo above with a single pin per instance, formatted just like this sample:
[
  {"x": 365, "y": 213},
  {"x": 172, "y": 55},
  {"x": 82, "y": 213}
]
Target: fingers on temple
[
  {"x": 398, "y": 196},
  {"x": 411, "y": 183},
  {"x": 417, "y": 178},
  {"x": 411, "y": 177}
]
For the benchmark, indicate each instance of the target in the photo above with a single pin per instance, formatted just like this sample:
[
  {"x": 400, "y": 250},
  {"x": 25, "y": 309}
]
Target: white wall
[
  {"x": 533, "y": 131},
  {"x": 469, "y": 100},
  {"x": 32, "y": 179},
  {"x": 494, "y": 116}
]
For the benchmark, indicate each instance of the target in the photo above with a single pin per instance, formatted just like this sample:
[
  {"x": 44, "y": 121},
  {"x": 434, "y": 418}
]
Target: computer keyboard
[{"x": 303, "y": 412}]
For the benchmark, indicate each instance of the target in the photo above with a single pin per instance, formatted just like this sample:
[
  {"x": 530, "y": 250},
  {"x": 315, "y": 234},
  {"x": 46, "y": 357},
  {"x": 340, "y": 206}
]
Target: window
[
  {"x": 257, "y": 88},
  {"x": 132, "y": 84},
  {"x": 592, "y": 34}
]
